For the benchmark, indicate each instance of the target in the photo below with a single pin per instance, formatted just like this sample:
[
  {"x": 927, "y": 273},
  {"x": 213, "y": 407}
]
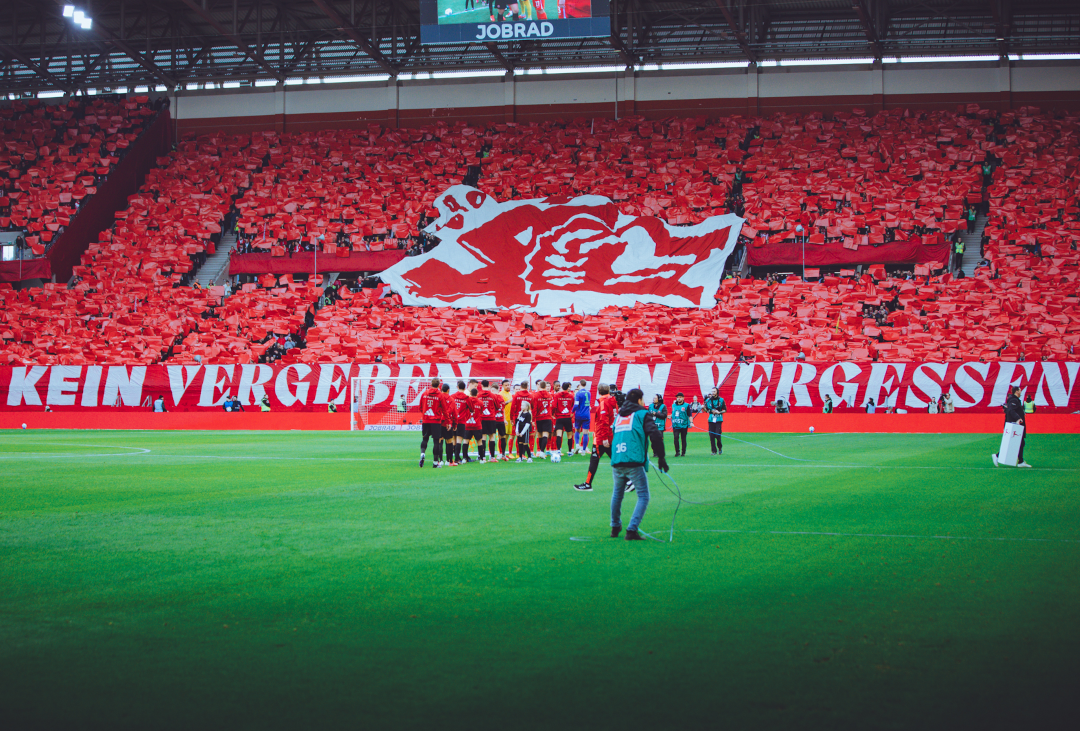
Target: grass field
[{"x": 321, "y": 580}]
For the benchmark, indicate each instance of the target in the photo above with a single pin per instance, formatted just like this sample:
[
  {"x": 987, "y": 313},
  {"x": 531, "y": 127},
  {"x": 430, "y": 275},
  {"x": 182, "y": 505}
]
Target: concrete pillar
[
  {"x": 877, "y": 87},
  {"x": 752, "y": 106},
  {"x": 280, "y": 109},
  {"x": 392, "y": 102},
  {"x": 626, "y": 93},
  {"x": 510, "y": 98},
  {"x": 1004, "y": 84}
]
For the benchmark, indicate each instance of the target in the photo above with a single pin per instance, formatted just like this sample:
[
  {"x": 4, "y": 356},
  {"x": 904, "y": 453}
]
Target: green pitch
[{"x": 322, "y": 580}]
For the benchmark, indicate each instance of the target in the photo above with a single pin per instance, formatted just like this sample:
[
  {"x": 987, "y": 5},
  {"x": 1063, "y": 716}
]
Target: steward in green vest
[
  {"x": 716, "y": 407},
  {"x": 634, "y": 429},
  {"x": 680, "y": 422},
  {"x": 680, "y": 413}
]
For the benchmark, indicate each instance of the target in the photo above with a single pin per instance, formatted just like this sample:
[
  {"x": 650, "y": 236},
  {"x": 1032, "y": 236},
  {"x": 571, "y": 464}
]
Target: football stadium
[{"x": 550, "y": 364}]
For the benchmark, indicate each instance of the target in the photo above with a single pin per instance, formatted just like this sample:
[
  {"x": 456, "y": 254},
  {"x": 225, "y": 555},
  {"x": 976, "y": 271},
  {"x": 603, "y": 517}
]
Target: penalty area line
[{"x": 136, "y": 451}]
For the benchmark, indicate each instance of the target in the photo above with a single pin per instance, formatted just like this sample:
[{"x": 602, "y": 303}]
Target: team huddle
[{"x": 503, "y": 423}]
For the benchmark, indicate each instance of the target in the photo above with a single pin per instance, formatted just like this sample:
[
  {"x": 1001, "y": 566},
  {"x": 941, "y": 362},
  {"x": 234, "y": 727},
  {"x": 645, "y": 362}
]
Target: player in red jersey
[
  {"x": 564, "y": 414},
  {"x": 491, "y": 419},
  {"x": 449, "y": 424},
  {"x": 543, "y": 403},
  {"x": 603, "y": 418},
  {"x": 431, "y": 421},
  {"x": 462, "y": 412},
  {"x": 473, "y": 426}
]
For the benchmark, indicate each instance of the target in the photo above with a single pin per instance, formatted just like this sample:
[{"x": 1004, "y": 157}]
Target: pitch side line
[
  {"x": 878, "y": 535},
  {"x": 719, "y": 463},
  {"x": 811, "y": 465}
]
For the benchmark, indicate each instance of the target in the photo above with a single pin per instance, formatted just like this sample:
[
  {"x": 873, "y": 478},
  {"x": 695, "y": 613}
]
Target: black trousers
[
  {"x": 598, "y": 451},
  {"x": 430, "y": 431},
  {"x": 716, "y": 431},
  {"x": 680, "y": 438}
]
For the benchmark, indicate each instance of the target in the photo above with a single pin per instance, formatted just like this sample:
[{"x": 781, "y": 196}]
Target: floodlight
[
  {"x": 78, "y": 16},
  {"x": 86, "y": 23},
  {"x": 69, "y": 10}
]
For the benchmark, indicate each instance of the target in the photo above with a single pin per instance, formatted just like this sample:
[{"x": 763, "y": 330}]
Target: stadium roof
[{"x": 166, "y": 44}]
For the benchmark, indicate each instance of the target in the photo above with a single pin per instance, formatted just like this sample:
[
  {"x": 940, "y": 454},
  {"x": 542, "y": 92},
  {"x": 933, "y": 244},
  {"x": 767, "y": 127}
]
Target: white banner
[{"x": 558, "y": 256}]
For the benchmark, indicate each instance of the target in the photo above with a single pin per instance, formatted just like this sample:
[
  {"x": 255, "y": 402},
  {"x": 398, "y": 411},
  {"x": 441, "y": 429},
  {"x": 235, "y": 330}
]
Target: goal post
[{"x": 390, "y": 403}]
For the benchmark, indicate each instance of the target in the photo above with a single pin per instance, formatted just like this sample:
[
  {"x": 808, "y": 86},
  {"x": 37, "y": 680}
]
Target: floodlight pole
[{"x": 803, "y": 240}]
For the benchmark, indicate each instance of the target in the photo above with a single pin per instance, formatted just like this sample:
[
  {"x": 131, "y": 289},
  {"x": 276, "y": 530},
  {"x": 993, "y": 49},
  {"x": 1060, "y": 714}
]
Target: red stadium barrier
[
  {"x": 737, "y": 424},
  {"x": 304, "y": 262},
  {"x": 791, "y": 253},
  {"x": 889, "y": 423},
  {"x": 214, "y": 420},
  {"x": 18, "y": 271}
]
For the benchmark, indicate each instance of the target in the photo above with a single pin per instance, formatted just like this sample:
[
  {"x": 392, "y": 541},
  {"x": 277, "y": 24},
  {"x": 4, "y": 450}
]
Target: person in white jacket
[{"x": 523, "y": 428}]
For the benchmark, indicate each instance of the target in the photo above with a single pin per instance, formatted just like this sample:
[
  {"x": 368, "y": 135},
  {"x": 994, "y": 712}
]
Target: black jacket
[
  {"x": 1014, "y": 409},
  {"x": 654, "y": 435}
]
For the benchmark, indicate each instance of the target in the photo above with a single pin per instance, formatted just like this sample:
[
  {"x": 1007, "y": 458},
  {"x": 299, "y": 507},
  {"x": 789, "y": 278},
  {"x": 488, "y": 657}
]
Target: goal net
[{"x": 386, "y": 404}]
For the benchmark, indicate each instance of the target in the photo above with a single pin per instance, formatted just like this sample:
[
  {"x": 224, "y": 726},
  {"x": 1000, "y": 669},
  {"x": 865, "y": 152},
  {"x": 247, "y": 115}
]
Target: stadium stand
[
  {"x": 349, "y": 189},
  {"x": 855, "y": 181},
  {"x": 678, "y": 169},
  {"x": 55, "y": 155},
  {"x": 129, "y": 303},
  {"x": 862, "y": 182}
]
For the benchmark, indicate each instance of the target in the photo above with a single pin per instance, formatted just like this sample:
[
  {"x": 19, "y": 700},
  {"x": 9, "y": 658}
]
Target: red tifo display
[{"x": 125, "y": 308}]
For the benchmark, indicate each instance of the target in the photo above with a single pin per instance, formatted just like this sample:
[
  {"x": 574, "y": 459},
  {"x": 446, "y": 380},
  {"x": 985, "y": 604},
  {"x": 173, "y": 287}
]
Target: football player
[
  {"x": 564, "y": 415},
  {"x": 602, "y": 434},
  {"x": 431, "y": 419}
]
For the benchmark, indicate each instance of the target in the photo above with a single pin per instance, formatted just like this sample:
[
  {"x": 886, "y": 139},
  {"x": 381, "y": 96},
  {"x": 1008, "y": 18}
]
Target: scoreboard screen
[{"x": 487, "y": 21}]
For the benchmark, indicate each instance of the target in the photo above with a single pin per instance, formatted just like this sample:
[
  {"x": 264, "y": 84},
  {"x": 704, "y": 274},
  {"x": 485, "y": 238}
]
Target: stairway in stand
[
  {"x": 972, "y": 248},
  {"x": 216, "y": 269}
]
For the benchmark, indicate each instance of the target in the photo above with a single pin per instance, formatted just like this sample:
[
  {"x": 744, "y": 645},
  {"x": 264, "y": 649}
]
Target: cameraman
[{"x": 634, "y": 429}]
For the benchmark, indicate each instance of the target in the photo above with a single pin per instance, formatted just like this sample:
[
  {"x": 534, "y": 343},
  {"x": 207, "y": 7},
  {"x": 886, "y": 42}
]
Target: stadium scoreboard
[{"x": 464, "y": 21}]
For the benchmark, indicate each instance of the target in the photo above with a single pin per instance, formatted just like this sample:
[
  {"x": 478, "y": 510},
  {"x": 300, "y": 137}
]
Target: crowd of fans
[
  {"x": 131, "y": 303},
  {"x": 55, "y": 156}
]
